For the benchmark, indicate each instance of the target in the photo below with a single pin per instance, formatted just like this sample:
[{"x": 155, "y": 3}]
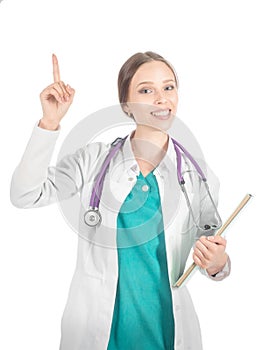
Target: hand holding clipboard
[{"x": 190, "y": 270}]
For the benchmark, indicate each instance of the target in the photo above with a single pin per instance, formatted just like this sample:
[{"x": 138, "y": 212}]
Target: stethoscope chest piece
[{"x": 92, "y": 217}]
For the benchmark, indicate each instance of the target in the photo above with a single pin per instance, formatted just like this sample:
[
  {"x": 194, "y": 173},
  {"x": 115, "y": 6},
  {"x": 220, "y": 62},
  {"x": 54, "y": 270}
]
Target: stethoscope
[{"x": 92, "y": 216}]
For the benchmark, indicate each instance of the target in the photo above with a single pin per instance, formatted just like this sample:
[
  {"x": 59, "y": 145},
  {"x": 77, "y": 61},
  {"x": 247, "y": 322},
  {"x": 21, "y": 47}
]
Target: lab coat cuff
[
  {"x": 221, "y": 274},
  {"x": 46, "y": 131}
]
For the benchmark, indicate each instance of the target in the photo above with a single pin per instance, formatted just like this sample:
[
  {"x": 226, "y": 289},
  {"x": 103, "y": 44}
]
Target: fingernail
[{"x": 210, "y": 238}]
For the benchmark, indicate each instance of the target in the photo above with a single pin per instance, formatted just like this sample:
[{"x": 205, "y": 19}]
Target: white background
[{"x": 216, "y": 48}]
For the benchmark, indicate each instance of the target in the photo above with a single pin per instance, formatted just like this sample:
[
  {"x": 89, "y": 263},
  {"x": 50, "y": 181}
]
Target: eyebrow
[{"x": 151, "y": 82}]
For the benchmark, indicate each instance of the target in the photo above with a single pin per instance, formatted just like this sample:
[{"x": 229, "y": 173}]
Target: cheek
[
  {"x": 174, "y": 101},
  {"x": 141, "y": 110},
  {"x": 174, "y": 97}
]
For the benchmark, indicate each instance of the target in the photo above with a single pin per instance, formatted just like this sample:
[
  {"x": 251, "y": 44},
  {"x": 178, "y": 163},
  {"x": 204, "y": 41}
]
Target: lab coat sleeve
[
  {"x": 35, "y": 183},
  {"x": 207, "y": 207}
]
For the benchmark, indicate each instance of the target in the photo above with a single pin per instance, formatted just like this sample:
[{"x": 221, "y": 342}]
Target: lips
[{"x": 161, "y": 113}]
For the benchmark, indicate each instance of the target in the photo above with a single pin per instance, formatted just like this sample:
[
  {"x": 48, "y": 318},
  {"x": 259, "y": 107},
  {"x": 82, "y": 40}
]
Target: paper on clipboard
[{"x": 193, "y": 267}]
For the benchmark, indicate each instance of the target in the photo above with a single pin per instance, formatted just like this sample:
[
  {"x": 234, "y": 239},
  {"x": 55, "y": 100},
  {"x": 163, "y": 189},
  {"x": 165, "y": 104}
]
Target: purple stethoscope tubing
[
  {"x": 92, "y": 216},
  {"x": 97, "y": 189},
  {"x": 177, "y": 145}
]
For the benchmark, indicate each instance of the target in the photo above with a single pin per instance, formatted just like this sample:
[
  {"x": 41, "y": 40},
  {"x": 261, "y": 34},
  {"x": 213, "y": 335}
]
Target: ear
[{"x": 126, "y": 108}]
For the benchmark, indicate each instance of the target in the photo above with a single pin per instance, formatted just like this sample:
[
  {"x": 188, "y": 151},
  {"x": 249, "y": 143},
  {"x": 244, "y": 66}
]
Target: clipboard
[{"x": 193, "y": 267}]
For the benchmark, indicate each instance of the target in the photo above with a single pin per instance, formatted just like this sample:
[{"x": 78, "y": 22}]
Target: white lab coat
[{"x": 87, "y": 317}]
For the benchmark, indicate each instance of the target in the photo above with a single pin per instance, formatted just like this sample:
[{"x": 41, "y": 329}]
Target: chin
[{"x": 162, "y": 124}]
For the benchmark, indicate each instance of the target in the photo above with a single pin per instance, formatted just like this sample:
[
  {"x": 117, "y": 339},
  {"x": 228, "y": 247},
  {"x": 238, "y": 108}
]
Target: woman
[{"x": 121, "y": 295}]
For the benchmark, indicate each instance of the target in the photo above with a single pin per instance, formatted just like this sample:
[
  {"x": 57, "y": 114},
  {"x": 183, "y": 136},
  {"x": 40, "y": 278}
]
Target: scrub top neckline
[{"x": 148, "y": 175}]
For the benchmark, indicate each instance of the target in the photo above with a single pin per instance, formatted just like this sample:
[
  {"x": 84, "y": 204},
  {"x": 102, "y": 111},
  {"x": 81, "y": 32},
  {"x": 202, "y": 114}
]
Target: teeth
[{"x": 161, "y": 113}]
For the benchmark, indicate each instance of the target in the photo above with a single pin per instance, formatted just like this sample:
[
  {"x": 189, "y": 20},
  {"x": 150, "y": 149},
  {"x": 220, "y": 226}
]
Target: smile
[{"x": 162, "y": 113}]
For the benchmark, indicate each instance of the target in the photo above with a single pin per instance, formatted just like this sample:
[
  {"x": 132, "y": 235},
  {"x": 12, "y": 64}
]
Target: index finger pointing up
[{"x": 56, "y": 74}]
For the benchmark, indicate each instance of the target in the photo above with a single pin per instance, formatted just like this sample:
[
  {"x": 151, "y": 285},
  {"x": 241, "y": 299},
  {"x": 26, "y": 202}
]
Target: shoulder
[
  {"x": 95, "y": 149},
  {"x": 92, "y": 153}
]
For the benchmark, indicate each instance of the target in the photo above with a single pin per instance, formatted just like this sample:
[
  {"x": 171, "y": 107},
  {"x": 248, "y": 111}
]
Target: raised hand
[{"x": 55, "y": 100}]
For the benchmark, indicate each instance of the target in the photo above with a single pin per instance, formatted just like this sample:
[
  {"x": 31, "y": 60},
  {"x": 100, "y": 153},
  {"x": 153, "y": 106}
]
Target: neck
[
  {"x": 152, "y": 135},
  {"x": 149, "y": 146}
]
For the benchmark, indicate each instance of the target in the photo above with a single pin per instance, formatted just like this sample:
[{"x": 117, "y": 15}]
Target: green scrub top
[{"x": 143, "y": 312}]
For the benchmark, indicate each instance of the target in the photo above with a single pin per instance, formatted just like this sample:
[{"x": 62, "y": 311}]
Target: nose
[{"x": 160, "y": 97}]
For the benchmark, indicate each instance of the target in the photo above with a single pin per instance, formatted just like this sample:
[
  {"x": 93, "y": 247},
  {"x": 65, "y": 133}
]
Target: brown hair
[{"x": 130, "y": 67}]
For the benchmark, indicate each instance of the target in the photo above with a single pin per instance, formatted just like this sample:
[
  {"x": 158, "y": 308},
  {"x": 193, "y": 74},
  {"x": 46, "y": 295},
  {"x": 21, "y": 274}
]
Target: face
[{"x": 153, "y": 97}]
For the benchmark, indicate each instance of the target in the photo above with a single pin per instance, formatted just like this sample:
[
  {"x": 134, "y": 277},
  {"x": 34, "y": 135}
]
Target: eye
[
  {"x": 145, "y": 91},
  {"x": 168, "y": 88}
]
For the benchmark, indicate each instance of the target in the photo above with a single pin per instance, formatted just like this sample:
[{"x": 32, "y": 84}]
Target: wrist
[
  {"x": 48, "y": 125},
  {"x": 215, "y": 270}
]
